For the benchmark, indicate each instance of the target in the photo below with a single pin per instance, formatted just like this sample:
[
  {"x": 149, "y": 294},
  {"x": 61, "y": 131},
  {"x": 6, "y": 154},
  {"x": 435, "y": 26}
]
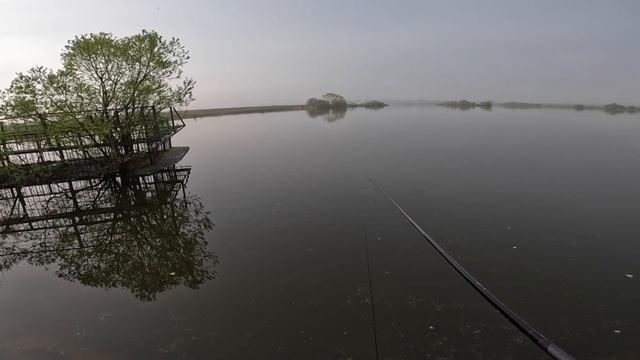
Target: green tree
[
  {"x": 336, "y": 101},
  {"x": 100, "y": 72}
]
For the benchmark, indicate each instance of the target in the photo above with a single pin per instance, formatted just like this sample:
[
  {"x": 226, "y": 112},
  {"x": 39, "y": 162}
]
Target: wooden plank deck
[
  {"x": 166, "y": 158},
  {"x": 83, "y": 170}
]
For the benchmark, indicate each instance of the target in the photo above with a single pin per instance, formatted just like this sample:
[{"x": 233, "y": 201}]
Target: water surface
[{"x": 540, "y": 205}]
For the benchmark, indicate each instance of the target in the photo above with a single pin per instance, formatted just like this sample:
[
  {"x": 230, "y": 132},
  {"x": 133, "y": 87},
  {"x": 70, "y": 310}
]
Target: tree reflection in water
[
  {"x": 141, "y": 233},
  {"x": 328, "y": 114}
]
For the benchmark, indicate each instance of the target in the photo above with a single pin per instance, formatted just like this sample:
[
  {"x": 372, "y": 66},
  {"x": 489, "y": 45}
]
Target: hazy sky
[{"x": 267, "y": 52}]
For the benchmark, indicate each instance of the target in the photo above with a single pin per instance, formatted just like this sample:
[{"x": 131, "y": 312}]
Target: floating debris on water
[
  {"x": 104, "y": 316},
  {"x": 617, "y": 331},
  {"x": 630, "y": 276},
  {"x": 431, "y": 327},
  {"x": 515, "y": 247}
]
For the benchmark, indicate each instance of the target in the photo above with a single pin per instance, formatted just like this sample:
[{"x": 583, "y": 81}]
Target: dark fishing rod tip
[{"x": 557, "y": 353}]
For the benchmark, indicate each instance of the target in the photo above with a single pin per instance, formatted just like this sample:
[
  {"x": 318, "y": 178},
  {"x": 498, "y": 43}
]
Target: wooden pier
[
  {"x": 99, "y": 194},
  {"x": 65, "y": 146}
]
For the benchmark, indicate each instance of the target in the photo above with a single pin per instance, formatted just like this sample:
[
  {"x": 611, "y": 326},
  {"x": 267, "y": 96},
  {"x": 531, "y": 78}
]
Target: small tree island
[
  {"x": 333, "y": 107},
  {"x": 336, "y": 102}
]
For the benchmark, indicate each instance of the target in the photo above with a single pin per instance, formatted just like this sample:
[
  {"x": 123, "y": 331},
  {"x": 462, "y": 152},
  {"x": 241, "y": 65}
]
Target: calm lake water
[{"x": 542, "y": 206}]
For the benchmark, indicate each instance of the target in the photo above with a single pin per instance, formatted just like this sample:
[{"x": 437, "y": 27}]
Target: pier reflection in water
[{"x": 145, "y": 233}]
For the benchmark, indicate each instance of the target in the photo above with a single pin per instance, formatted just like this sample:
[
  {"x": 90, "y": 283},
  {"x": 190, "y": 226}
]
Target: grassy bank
[{"x": 190, "y": 114}]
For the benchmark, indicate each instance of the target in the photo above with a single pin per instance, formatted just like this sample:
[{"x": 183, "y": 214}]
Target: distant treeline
[{"x": 612, "y": 108}]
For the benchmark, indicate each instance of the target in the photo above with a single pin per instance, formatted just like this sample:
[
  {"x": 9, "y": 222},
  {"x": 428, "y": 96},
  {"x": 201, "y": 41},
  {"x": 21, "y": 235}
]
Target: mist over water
[{"x": 247, "y": 53}]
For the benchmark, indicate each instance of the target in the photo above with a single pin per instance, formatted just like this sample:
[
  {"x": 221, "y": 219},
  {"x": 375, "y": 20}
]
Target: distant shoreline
[
  {"x": 200, "y": 113},
  {"x": 609, "y": 108},
  {"x": 612, "y": 108}
]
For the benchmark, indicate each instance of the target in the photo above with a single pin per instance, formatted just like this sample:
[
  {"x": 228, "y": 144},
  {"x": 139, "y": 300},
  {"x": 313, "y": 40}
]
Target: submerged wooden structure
[
  {"x": 80, "y": 204},
  {"x": 75, "y": 145}
]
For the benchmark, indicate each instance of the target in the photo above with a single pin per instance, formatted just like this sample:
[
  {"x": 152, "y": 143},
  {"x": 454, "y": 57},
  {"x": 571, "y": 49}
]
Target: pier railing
[
  {"x": 103, "y": 137},
  {"x": 41, "y": 138}
]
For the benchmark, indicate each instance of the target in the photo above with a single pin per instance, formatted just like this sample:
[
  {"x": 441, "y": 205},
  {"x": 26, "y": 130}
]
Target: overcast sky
[{"x": 284, "y": 51}]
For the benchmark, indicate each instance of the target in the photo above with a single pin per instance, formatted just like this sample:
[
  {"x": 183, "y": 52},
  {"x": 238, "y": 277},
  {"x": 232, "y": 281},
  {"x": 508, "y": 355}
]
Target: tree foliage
[{"x": 101, "y": 71}]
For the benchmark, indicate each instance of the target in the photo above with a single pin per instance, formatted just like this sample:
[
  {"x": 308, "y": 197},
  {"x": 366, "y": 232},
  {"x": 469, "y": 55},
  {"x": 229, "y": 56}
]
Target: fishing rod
[
  {"x": 371, "y": 297},
  {"x": 540, "y": 340}
]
